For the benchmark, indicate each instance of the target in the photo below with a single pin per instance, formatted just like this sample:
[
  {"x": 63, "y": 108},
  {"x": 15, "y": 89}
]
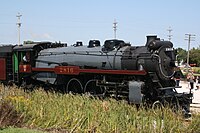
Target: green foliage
[
  {"x": 194, "y": 55},
  {"x": 196, "y": 70},
  {"x": 182, "y": 55},
  {"x": 75, "y": 113}
]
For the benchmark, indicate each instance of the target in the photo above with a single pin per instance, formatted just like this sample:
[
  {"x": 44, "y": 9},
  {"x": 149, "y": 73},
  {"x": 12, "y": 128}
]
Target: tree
[
  {"x": 181, "y": 55},
  {"x": 195, "y": 56}
]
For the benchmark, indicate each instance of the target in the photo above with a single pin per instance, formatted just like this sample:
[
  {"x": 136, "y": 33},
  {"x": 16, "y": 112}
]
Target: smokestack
[{"x": 150, "y": 38}]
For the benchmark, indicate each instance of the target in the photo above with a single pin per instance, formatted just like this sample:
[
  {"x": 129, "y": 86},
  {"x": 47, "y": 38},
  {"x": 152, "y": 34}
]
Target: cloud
[
  {"x": 46, "y": 35},
  {"x": 42, "y": 36}
]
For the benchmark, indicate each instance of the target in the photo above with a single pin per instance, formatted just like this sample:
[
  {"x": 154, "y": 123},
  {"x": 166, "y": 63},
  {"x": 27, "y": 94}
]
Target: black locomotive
[{"x": 136, "y": 73}]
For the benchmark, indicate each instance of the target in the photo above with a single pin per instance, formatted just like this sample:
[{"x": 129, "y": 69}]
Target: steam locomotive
[{"x": 136, "y": 73}]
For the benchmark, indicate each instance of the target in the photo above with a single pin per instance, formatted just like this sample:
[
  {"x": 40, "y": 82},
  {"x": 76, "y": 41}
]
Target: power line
[
  {"x": 19, "y": 25},
  {"x": 189, "y": 38}
]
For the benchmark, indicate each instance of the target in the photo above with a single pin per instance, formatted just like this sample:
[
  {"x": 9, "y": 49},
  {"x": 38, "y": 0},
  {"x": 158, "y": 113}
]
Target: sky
[{"x": 83, "y": 20}]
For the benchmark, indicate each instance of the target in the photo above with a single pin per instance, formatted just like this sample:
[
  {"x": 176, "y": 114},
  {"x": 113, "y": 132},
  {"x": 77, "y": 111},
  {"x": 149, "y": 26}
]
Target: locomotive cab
[{"x": 23, "y": 57}]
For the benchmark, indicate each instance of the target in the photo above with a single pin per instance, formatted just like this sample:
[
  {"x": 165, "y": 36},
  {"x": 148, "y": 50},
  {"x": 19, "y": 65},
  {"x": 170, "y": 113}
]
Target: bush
[{"x": 9, "y": 116}]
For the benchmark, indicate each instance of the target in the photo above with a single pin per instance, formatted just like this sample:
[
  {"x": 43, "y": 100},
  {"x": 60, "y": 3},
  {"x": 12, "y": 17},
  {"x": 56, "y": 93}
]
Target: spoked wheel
[
  {"x": 74, "y": 86},
  {"x": 92, "y": 88}
]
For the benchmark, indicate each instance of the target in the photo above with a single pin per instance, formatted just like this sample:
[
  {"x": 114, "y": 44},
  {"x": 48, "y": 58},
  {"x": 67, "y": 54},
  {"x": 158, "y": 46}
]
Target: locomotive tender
[{"x": 135, "y": 73}]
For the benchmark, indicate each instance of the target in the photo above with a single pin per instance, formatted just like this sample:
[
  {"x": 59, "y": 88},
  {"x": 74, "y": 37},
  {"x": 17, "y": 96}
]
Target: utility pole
[
  {"x": 115, "y": 28},
  {"x": 169, "y": 35},
  {"x": 19, "y": 25},
  {"x": 189, "y": 38}
]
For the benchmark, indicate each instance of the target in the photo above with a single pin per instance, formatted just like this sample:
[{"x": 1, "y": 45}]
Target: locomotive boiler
[
  {"x": 156, "y": 56},
  {"x": 136, "y": 73}
]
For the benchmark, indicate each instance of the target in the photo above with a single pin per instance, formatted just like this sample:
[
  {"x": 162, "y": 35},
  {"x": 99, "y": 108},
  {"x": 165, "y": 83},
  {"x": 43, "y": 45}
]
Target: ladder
[{"x": 9, "y": 67}]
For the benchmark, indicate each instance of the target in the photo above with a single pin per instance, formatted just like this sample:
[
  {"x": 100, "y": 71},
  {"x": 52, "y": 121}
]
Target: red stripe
[
  {"x": 75, "y": 70},
  {"x": 43, "y": 69}
]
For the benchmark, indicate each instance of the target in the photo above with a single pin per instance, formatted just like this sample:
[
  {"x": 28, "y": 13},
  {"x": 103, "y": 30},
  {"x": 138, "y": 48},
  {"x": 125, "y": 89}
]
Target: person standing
[
  {"x": 198, "y": 82},
  {"x": 191, "y": 80}
]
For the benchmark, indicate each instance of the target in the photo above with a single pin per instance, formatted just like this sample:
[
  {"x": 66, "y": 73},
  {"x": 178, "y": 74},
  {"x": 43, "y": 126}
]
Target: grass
[
  {"x": 195, "y": 70},
  {"x": 19, "y": 130},
  {"x": 74, "y": 113}
]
